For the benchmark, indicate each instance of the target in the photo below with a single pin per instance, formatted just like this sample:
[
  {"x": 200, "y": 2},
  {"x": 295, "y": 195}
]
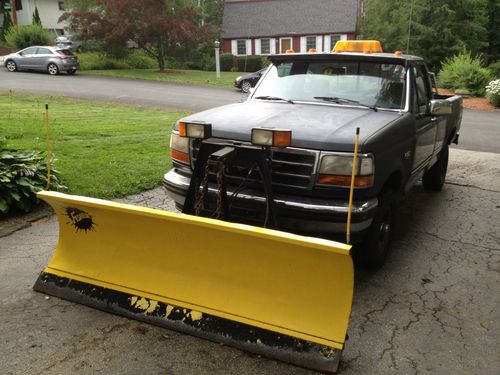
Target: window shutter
[
  {"x": 319, "y": 45},
  {"x": 258, "y": 50},
  {"x": 249, "y": 46},
  {"x": 328, "y": 40},
  {"x": 303, "y": 44},
  {"x": 234, "y": 47},
  {"x": 272, "y": 46}
]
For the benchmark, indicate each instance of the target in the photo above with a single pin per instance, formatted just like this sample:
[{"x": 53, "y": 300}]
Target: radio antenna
[{"x": 409, "y": 28}]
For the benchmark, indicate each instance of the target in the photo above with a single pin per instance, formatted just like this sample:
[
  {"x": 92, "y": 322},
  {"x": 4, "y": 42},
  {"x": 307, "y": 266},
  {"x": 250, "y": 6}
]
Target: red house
[{"x": 262, "y": 27}]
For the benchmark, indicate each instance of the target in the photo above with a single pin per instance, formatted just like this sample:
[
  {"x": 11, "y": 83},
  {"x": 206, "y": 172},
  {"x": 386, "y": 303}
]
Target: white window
[
  {"x": 310, "y": 43},
  {"x": 241, "y": 47},
  {"x": 334, "y": 39},
  {"x": 265, "y": 46}
]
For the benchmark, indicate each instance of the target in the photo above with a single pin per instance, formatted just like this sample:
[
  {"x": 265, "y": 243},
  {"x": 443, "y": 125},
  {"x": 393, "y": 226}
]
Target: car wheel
[
  {"x": 71, "y": 72},
  {"x": 11, "y": 66},
  {"x": 52, "y": 69},
  {"x": 434, "y": 178},
  {"x": 246, "y": 86},
  {"x": 372, "y": 252}
]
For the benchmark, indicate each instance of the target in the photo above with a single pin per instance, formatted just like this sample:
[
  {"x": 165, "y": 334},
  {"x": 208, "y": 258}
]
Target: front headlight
[
  {"x": 336, "y": 170},
  {"x": 238, "y": 79}
]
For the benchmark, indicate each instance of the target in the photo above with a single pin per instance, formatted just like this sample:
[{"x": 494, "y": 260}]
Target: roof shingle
[{"x": 284, "y": 17}]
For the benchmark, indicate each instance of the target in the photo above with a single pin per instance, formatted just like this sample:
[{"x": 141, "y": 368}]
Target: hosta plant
[{"x": 22, "y": 175}]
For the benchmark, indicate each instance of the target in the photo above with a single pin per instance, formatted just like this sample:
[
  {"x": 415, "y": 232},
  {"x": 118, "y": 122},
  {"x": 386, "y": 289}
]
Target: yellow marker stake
[
  {"x": 351, "y": 190},
  {"x": 49, "y": 146}
]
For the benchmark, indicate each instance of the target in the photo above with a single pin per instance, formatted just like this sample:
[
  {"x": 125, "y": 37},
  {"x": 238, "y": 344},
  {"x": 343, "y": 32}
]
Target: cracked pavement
[{"x": 432, "y": 309}]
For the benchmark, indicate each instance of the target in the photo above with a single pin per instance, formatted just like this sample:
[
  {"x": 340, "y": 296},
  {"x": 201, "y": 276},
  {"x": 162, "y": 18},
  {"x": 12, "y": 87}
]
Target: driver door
[
  {"x": 426, "y": 125},
  {"x": 27, "y": 58}
]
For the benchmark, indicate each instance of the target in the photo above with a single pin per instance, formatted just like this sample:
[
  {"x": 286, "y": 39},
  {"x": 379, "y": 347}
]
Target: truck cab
[{"x": 405, "y": 128}]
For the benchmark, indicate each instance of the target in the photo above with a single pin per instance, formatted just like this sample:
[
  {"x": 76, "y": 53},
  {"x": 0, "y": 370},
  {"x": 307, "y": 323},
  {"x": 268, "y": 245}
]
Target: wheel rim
[
  {"x": 11, "y": 66},
  {"x": 245, "y": 86},
  {"x": 52, "y": 69}
]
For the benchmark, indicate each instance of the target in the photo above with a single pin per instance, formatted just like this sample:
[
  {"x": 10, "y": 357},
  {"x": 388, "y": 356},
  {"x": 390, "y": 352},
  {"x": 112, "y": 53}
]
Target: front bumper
[{"x": 297, "y": 214}]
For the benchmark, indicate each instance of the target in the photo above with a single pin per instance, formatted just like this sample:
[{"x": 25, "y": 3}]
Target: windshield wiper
[
  {"x": 338, "y": 100},
  {"x": 269, "y": 97}
]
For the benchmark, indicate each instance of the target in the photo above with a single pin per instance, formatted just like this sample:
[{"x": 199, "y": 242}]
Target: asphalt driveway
[{"x": 433, "y": 309}]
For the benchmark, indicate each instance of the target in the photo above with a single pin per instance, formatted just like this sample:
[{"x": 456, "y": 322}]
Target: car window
[
  {"x": 44, "y": 51},
  {"x": 28, "y": 51},
  {"x": 422, "y": 89},
  {"x": 66, "y": 52}
]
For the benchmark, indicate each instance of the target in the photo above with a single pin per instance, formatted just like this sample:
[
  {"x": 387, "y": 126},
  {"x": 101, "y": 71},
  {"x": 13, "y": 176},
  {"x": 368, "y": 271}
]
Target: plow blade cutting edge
[{"x": 274, "y": 293}]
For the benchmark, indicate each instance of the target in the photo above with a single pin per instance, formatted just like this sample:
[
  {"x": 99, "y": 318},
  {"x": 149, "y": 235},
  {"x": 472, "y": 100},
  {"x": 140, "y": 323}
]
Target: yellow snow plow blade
[{"x": 173, "y": 269}]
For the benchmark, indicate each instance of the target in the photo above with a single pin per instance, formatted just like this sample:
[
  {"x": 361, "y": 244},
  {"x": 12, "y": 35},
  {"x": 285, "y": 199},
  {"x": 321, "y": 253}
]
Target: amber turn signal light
[
  {"x": 359, "y": 181},
  {"x": 271, "y": 137}
]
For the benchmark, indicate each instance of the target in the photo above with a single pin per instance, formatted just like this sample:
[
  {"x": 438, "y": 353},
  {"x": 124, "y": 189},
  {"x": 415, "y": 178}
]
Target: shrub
[
  {"x": 100, "y": 61},
  {"x": 495, "y": 69},
  {"x": 22, "y": 36},
  {"x": 226, "y": 62},
  {"x": 249, "y": 63},
  {"x": 464, "y": 71},
  {"x": 139, "y": 60},
  {"x": 493, "y": 92},
  {"x": 22, "y": 175}
]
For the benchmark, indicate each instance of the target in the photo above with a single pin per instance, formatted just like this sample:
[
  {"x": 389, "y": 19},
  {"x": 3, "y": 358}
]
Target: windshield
[{"x": 367, "y": 83}]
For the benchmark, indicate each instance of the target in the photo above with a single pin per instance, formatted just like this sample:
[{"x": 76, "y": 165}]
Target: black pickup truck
[{"x": 405, "y": 130}]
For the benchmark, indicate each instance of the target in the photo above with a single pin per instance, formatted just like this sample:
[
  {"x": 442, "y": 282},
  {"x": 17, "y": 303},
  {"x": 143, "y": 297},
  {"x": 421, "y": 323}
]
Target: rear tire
[
  {"x": 372, "y": 253},
  {"x": 52, "y": 69},
  {"x": 11, "y": 66},
  {"x": 435, "y": 177}
]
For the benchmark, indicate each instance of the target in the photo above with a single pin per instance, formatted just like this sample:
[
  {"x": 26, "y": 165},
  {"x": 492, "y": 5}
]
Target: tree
[
  {"x": 156, "y": 26},
  {"x": 7, "y": 24},
  {"x": 36, "y": 17},
  {"x": 439, "y": 28}
]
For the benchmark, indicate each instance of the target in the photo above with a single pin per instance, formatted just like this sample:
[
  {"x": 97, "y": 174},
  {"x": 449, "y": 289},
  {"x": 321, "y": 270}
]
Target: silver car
[{"x": 48, "y": 59}]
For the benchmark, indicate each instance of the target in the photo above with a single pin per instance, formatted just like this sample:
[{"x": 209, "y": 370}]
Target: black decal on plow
[{"x": 81, "y": 220}]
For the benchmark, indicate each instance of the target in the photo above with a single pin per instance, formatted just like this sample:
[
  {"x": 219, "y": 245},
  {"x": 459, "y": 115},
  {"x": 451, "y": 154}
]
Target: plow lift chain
[{"x": 217, "y": 163}]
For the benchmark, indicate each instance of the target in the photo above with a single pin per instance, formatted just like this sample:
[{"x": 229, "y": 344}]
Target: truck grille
[{"x": 291, "y": 167}]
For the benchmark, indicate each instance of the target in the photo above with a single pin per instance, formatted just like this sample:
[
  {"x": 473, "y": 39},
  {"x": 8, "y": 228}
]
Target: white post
[{"x": 217, "y": 59}]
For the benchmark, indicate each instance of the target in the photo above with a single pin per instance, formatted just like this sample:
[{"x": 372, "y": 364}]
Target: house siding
[{"x": 48, "y": 10}]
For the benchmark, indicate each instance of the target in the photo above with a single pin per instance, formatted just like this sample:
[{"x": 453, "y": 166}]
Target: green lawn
[
  {"x": 190, "y": 77},
  {"x": 103, "y": 150}
]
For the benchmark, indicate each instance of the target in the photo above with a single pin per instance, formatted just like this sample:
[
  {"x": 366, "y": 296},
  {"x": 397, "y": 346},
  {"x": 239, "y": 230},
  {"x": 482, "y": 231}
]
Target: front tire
[
  {"x": 52, "y": 69},
  {"x": 435, "y": 177},
  {"x": 11, "y": 66},
  {"x": 246, "y": 86},
  {"x": 372, "y": 253}
]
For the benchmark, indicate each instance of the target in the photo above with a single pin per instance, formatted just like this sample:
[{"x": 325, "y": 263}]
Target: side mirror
[{"x": 440, "y": 107}]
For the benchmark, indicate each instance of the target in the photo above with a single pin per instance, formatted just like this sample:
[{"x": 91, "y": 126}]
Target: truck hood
[{"x": 314, "y": 126}]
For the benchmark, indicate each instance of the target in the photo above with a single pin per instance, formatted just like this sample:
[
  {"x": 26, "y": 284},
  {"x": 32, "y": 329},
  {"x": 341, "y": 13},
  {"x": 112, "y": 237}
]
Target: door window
[
  {"x": 44, "y": 51},
  {"x": 29, "y": 51},
  {"x": 422, "y": 92}
]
